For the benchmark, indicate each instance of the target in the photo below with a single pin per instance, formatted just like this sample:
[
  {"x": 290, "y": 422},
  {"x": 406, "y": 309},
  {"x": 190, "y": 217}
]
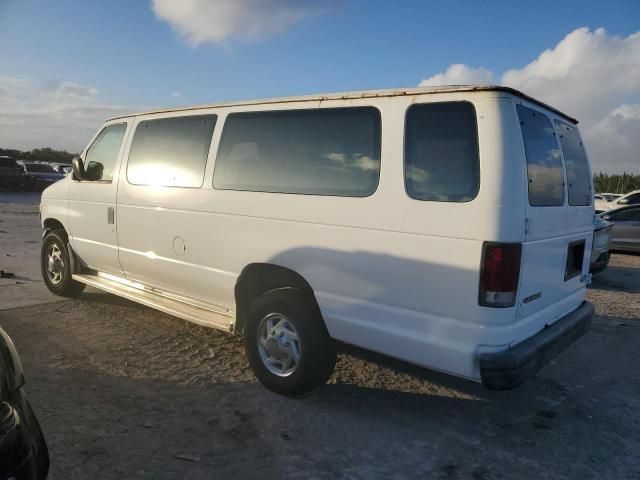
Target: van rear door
[{"x": 558, "y": 226}]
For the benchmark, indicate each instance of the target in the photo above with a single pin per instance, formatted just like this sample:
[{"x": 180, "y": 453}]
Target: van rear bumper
[{"x": 507, "y": 369}]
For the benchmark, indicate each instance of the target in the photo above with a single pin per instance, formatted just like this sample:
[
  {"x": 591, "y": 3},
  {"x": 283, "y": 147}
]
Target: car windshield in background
[{"x": 37, "y": 168}]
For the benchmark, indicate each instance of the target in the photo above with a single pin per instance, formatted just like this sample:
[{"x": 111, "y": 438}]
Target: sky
[{"x": 67, "y": 65}]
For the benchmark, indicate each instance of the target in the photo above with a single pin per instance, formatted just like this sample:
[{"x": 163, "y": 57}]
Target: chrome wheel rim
[
  {"x": 55, "y": 264},
  {"x": 279, "y": 345}
]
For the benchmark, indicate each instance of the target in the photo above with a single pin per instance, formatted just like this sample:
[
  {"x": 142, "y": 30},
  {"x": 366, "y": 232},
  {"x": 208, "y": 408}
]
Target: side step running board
[{"x": 186, "y": 311}]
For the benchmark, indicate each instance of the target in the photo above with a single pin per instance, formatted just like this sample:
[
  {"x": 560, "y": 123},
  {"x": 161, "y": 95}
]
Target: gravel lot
[{"x": 123, "y": 391}]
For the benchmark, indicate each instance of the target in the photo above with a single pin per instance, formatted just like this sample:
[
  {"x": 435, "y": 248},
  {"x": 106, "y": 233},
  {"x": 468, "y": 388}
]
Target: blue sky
[{"x": 130, "y": 58}]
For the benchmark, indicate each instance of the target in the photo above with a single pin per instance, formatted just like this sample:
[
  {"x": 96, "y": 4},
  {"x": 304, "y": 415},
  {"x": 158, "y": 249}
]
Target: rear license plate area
[{"x": 575, "y": 257}]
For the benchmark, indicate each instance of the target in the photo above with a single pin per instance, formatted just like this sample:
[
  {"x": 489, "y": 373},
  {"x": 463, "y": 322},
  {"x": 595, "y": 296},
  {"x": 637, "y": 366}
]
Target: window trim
[
  {"x": 404, "y": 151},
  {"x": 207, "y": 156},
  {"x": 379, "y": 137},
  {"x": 86, "y": 152}
]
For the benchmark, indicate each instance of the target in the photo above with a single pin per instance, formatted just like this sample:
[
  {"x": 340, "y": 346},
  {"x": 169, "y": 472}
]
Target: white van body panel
[{"x": 390, "y": 273}]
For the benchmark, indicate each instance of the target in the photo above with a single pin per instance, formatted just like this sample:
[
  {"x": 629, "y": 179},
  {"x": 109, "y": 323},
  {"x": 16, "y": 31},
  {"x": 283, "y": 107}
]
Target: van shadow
[{"x": 618, "y": 278}]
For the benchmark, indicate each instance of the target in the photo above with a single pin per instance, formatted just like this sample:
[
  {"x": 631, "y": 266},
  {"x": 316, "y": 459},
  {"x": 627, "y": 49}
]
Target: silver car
[{"x": 626, "y": 228}]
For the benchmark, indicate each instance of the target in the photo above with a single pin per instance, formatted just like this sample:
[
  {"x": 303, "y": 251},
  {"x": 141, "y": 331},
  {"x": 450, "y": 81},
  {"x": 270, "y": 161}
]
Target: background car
[
  {"x": 11, "y": 174},
  {"x": 39, "y": 176},
  {"x": 626, "y": 228},
  {"x": 631, "y": 198},
  {"x": 600, "y": 250},
  {"x": 63, "y": 169},
  {"x": 23, "y": 450},
  {"x": 602, "y": 201}
]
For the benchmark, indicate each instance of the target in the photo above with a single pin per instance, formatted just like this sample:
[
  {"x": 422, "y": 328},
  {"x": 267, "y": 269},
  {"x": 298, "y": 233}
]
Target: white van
[{"x": 448, "y": 227}]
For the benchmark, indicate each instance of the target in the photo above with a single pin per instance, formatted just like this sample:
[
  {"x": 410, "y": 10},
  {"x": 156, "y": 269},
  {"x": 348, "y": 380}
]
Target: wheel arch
[
  {"x": 259, "y": 278},
  {"x": 53, "y": 224}
]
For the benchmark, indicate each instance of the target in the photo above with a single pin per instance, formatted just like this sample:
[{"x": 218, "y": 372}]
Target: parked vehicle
[
  {"x": 23, "y": 450},
  {"x": 11, "y": 174},
  {"x": 63, "y": 169},
  {"x": 39, "y": 176},
  {"x": 626, "y": 228},
  {"x": 602, "y": 240},
  {"x": 433, "y": 225},
  {"x": 602, "y": 201},
  {"x": 631, "y": 198}
]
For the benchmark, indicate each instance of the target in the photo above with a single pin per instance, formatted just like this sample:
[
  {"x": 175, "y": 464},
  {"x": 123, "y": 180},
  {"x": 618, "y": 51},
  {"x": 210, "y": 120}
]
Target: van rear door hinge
[{"x": 526, "y": 225}]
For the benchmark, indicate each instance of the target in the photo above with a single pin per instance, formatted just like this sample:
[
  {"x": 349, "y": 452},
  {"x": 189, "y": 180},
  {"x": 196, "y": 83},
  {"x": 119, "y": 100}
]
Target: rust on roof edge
[{"x": 359, "y": 94}]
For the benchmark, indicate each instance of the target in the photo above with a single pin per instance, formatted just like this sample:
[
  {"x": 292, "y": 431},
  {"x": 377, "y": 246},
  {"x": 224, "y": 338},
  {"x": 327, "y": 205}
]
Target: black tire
[
  {"x": 66, "y": 287},
  {"x": 317, "y": 350}
]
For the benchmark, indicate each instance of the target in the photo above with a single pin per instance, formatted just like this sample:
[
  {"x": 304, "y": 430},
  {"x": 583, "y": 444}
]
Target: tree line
[
  {"x": 605, "y": 183},
  {"x": 40, "y": 154}
]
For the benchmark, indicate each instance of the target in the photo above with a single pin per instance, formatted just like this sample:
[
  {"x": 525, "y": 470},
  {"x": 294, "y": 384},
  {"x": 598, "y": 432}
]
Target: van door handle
[{"x": 111, "y": 216}]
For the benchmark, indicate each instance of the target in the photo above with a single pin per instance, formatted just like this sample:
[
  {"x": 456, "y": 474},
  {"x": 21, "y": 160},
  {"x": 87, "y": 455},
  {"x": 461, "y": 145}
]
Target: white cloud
[
  {"x": 176, "y": 94},
  {"x": 217, "y": 21},
  {"x": 62, "y": 115},
  {"x": 616, "y": 138},
  {"x": 67, "y": 89},
  {"x": 459, "y": 74},
  {"x": 590, "y": 75}
]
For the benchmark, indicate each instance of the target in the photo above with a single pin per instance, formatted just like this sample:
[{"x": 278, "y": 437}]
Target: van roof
[{"x": 362, "y": 94}]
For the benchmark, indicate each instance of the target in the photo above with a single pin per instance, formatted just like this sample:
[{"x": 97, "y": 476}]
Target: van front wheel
[
  {"x": 56, "y": 267},
  {"x": 287, "y": 343}
]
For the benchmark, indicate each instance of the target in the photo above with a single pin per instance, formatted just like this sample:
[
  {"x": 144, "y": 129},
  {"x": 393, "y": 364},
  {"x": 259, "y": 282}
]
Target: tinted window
[
  {"x": 102, "y": 155},
  {"x": 321, "y": 152},
  {"x": 39, "y": 168},
  {"x": 441, "y": 152},
  {"x": 628, "y": 215},
  {"x": 171, "y": 152},
  {"x": 8, "y": 162},
  {"x": 633, "y": 199},
  {"x": 576, "y": 164},
  {"x": 544, "y": 163}
]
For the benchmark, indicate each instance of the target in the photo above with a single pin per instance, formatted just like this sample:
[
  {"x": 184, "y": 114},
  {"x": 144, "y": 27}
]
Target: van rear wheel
[
  {"x": 56, "y": 266},
  {"x": 287, "y": 343}
]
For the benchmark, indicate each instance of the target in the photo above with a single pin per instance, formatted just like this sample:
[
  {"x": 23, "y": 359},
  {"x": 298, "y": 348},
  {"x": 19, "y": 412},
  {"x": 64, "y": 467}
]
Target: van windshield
[{"x": 576, "y": 164}]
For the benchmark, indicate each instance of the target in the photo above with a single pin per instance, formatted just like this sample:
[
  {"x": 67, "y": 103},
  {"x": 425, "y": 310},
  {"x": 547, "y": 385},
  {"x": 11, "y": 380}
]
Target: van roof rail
[{"x": 362, "y": 94}]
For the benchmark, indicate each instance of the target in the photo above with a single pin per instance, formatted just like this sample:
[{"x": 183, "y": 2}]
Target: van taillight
[{"x": 499, "y": 274}]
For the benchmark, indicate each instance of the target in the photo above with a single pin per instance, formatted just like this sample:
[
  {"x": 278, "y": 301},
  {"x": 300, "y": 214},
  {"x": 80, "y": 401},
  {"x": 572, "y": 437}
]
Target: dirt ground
[{"x": 123, "y": 391}]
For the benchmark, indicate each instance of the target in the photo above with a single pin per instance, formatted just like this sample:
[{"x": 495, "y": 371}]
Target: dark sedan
[
  {"x": 23, "y": 451},
  {"x": 626, "y": 228},
  {"x": 39, "y": 176},
  {"x": 11, "y": 174}
]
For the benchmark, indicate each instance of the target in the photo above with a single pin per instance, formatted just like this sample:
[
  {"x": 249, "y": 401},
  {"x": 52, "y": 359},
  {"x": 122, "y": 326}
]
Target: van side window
[
  {"x": 441, "y": 152},
  {"x": 576, "y": 164},
  {"x": 171, "y": 152},
  {"x": 332, "y": 151},
  {"x": 101, "y": 158},
  {"x": 545, "y": 174}
]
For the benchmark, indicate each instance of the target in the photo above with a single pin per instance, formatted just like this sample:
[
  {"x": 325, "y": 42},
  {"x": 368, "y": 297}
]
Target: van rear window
[
  {"x": 333, "y": 151},
  {"x": 544, "y": 162},
  {"x": 575, "y": 161},
  {"x": 441, "y": 152}
]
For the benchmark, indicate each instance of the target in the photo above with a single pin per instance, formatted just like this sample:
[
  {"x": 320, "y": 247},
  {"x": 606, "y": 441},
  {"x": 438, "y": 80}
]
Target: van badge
[{"x": 533, "y": 297}]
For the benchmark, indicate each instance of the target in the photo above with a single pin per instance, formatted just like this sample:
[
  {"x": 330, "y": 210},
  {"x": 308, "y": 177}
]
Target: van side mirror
[{"x": 78, "y": 168}]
